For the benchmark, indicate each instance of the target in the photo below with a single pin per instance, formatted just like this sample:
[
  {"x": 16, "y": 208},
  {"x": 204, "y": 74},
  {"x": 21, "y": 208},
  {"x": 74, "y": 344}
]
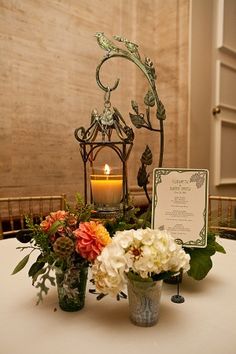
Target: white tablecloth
[{"x": 204, "y": 323}]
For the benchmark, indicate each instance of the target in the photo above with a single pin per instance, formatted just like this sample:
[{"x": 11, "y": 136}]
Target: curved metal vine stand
[{"x": 151, "y": 98}]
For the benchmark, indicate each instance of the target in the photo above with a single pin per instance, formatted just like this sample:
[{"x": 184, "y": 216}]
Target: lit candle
[{"x": 106, "y": 189}]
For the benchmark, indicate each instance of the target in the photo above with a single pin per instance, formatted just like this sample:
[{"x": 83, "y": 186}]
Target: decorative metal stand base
[
  {"x": 177, "y": 299},
  {"x": 106, "y": 214}
]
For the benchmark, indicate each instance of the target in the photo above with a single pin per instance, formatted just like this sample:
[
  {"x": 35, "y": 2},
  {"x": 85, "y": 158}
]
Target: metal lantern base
[{"x": 107, "y": 214}]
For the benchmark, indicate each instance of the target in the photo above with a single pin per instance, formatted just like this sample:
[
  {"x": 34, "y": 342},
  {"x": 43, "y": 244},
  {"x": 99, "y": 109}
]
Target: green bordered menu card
[{"x": 180, "y": 204}]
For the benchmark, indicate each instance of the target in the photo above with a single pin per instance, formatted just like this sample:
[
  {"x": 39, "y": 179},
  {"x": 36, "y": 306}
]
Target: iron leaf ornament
[
  {"x": 143, "y": 175},
  {"x": 146, "y": 158},
  {"x": 121, "y": 47},
  {"x": 149, "y": 99}
]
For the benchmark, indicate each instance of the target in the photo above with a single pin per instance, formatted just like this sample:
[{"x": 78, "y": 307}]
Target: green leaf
[
  {"x": 21, "y": 264},
  {"x": 219, "y": 248},
  {"x": 200, "y": 263},
  {"x": 35, "y": 268},
  {"x": 209, "y": 250},
  {"x": 82, "y": 210},
  {"x": 41, "y": 285},
  {"x": 211, "y": 240},
  {"x": 79, "y": 200},
  {"x": 211, "y": 237},
  {"x": 37, "y": 274},
  {"x": 55, "y": 226}
]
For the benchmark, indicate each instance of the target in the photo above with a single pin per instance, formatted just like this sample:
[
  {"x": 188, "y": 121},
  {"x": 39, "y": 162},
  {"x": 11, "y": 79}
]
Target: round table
[{"x": 205, "y": 322}]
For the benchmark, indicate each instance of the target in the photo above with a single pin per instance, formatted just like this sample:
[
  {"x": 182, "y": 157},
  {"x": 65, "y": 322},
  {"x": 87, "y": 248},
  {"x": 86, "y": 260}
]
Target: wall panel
[{"x": 48, "y": 88}]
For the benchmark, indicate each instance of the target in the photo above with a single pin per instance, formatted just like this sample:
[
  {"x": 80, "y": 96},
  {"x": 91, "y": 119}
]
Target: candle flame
[{"x": 107, "y": 169}]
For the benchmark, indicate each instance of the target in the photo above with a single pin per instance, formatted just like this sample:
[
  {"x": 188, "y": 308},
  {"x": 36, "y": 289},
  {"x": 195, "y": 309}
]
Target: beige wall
[{"x": 47, "y": 85}]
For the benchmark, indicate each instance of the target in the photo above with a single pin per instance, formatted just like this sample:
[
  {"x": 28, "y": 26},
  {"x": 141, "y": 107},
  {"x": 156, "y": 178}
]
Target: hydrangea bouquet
[{"x": 142, "y": 254}]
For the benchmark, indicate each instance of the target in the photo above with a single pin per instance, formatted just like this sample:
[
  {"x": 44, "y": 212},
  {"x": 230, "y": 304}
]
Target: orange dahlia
[{"x": 91, "y": 238}]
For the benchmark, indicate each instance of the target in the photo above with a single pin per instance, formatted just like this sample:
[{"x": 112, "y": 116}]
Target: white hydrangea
[
  {"x": 143, "y": 251},
  {"x": 109, "y": 269}
]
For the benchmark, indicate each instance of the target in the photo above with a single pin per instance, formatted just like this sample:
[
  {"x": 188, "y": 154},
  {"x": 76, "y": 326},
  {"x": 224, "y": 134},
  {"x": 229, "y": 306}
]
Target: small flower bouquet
[
  {"x": 140, "y": 259},
  {"x": 143, "y": 255},
  {"x": 64, "y": 241}
]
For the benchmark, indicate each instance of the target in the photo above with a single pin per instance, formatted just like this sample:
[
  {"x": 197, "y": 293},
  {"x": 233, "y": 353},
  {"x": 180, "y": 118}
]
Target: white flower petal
[{"x": 144, "y": 251}]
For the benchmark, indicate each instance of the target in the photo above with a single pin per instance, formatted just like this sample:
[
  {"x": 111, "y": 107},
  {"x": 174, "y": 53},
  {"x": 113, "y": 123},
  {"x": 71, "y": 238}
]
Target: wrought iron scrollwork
[
  {"x": 103, "y": 127},
  {"x": 130, "y": 52}
]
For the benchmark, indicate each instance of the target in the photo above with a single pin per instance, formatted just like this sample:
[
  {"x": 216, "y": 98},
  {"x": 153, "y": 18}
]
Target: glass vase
[
  {"x": 71, "y": 287},
  {"x": 144, "y": 302}
]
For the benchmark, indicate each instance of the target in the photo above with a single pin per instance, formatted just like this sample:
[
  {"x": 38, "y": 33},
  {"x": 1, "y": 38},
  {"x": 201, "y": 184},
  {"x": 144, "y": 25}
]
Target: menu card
[{"x": 180, "y": 204}]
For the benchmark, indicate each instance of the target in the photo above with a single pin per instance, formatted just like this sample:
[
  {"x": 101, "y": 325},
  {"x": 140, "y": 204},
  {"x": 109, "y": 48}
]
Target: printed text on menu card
[{"x": 180, "y": 204}]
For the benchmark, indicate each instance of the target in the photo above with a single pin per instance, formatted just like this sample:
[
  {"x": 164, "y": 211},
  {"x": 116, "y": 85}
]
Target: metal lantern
[
  {"x": 106, "y": 130},
  {"x": 109, "y": 129}
]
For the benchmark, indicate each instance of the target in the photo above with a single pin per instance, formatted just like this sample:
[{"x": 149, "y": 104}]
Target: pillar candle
[{"x": 106, "y": 188}]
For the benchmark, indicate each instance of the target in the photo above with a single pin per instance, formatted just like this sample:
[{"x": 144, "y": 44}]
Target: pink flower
[
  {"x": 45, "y": 225},
  {"x": 92, "y": 237},
  {"x": 59, "y": 215}
]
